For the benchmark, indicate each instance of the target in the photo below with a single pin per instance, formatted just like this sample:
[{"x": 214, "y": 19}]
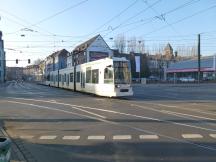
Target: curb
[{"x": 15, "y": 150}]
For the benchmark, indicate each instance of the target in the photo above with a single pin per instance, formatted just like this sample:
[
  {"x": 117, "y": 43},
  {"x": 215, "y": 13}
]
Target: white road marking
[
  {"x": 47, "y": 137},
  {"x": 26, "y": 137},
  {"x": 194, "y": 116},
  {"x": 176, "y": 123},
  {"x": 148, "y": 137},
  {"x": 115, "y": 123},
  {"x": 188, "y": 136},
  {"x": 71, "y": 138},
  {"x": 212, "y": 135},
  {"x": 65, "y": 111},
  {"x": 96, "y": 137},
  {"x": 72, "y": 106},
  {"x": 122, "y": 137}
]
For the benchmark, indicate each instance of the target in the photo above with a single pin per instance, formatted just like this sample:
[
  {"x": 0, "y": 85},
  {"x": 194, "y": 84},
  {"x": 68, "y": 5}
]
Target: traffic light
[
  {"x": 16, "y": 61},
  {"x": 29, "y": 61}
]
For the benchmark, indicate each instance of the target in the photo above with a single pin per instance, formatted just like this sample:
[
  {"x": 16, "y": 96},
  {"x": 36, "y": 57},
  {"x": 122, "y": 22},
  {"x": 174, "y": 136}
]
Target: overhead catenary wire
[
  {"x": 151, "y": 19},
  {"x": 135, "y": 15},
  {"x": 46, "y": 19},
  {"x": 163, "y": 18},
  {"x": 182, "y": 19},
  {"x": 114, "y": 17}
]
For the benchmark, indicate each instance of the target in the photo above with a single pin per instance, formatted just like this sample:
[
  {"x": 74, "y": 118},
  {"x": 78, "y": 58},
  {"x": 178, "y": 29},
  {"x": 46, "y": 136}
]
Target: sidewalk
[{"x": 16, "y": 155}]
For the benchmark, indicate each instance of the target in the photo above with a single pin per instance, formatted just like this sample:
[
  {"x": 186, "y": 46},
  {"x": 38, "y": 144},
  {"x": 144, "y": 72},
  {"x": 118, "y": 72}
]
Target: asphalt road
[{"x": 171, "y": 123}]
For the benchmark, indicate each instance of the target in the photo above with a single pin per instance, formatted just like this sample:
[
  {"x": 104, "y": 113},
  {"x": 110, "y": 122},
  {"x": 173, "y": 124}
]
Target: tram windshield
[{"x": 122, "y": 73}]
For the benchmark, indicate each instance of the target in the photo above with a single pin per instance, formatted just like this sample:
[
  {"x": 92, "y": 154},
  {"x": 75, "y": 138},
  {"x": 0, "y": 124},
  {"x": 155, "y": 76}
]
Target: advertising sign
[{"x": 137, "y": 61}]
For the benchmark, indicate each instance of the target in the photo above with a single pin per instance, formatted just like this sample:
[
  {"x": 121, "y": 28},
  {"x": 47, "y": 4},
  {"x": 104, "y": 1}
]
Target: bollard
[{"x": 5, "y": 149}]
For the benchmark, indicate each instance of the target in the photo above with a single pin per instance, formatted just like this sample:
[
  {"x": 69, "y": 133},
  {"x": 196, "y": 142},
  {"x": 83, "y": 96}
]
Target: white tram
[{"x": 109, "y": 77}]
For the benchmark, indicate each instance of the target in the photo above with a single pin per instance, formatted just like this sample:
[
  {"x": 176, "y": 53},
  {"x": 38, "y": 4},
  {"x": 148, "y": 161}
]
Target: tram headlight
[{"x": 117, "y": 86}]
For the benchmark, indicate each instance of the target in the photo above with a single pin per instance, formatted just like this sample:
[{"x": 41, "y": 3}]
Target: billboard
[{"x": 94, "y": 55}]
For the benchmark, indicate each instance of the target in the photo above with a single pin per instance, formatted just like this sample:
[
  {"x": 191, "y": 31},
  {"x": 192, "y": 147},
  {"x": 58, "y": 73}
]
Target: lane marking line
[
  {"x": 148, "y": 137},
  {"x": 212, "y": 135},
  {"x": 47, "y": 137},
  {"x": 72, "y": 106},
  {"x": 122, "y": 137},
  {"x": 206, "y": 147},
  {"x": 26, "y": 137},
  {"x": 71, "y": 138},
  {"x": 171, "y": 122},
  {"x": 96, "y": 137},
  {"x": 192, "y": 136}
]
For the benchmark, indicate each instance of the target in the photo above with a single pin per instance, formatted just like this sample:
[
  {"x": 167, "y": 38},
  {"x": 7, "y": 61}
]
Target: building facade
[
  {"x": 14, "y": 73},
  {"x": 31, "y": 73},
  {"x": 93, "y": 49},
  {"x": 2, "y": 60},
  {"x": 189, "y": 68},
  {"x": 137, "y": 72},
  {"x": 55, "y": 61}
]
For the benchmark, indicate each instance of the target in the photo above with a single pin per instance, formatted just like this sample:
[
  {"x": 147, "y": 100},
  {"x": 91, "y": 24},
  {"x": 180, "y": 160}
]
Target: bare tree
[
  {"x": 187, "y": 51},
  {"x": 141, "y": 46},
  {"x": 132, "y": 45},
  {"x": 37, "y": 61},
  {"x": 120, "y": 43}
]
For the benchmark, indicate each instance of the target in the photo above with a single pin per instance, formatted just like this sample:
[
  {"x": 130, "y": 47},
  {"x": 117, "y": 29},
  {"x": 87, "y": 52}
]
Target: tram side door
[{"x": 82, "y": 80}]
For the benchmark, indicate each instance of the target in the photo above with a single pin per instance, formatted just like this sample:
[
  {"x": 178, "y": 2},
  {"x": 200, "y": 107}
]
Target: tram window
[
  {"x": 48, "y": 77},
  {"x": 67, "y": 80},
  {"x": 78, "y": 77},
  {"x": 88, "y": 75},
  {"x": 108, "y": 75},
  {"x": 56, "y": 78},
  {"x": 95, "y": 76},
  {"x": 59, "y": 77},
  {"x": 64, "y": 77},
  {"x": 71, "y": 77}
]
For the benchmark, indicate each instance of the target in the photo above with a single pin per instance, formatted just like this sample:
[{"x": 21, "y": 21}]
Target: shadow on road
[{"x": 119, "y": 152}]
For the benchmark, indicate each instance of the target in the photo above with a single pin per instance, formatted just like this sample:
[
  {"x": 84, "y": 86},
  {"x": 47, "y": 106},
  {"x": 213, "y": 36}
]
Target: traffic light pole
[{"x": 17, "y": 61}]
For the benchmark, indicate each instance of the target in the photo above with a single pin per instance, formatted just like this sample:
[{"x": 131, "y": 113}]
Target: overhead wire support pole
[{"x": 199, "y": 64}]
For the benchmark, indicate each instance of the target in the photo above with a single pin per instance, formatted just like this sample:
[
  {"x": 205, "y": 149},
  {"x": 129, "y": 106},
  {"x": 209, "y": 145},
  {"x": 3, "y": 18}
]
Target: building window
[
  {"x": 88, "y": 75},
  {"x": 78, "y": 77},
  {"x": 95, "y": 76},
  {"x": 71, "y": 77}
]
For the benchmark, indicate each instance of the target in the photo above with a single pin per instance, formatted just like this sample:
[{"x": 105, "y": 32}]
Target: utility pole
[
  {"x": 73, "y": 56},
  {"x": 198, "y": 58}
]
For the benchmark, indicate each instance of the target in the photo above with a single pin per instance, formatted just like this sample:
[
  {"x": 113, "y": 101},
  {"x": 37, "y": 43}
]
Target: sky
[{"x": 34, "y": 29}]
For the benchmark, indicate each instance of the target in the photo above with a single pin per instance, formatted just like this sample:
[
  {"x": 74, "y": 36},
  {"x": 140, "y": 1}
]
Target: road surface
[{"x": 159, "y": 123}]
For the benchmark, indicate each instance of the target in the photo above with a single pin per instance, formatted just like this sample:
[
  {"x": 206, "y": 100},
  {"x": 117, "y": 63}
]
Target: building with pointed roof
[
  {"x": 91, "y": 50},
  {"x": 168, "y": 52}
]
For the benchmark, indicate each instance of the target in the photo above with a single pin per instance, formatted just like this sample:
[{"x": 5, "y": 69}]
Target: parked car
[
  {"x": 153, "y": 78},
  {"x": 187, "y": 79}
]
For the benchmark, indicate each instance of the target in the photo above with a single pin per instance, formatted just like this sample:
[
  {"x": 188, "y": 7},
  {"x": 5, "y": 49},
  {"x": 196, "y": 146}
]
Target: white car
[{"x": 187, "y": 79}]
